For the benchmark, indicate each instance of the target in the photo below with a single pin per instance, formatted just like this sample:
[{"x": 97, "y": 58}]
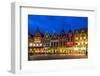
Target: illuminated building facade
[
  {"x": 30, "y": 46},
  {"x": 83, "y": 37},
  {"x": 70, "y": 44},
  {"x": 77, "y": 38},
  {"x": 36, "y": 43},
  {"x": 37, "y": 40},
  {"x": 81, "y": 41},
  {"x": 70, "y": 39},
  {"x": 46, "y": 40},
  {"x": 54, "y": 40},
  {"x": 62, "y": 39}
]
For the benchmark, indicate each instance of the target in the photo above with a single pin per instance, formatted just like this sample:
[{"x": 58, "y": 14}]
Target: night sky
[{"x": 55, "y": 23}]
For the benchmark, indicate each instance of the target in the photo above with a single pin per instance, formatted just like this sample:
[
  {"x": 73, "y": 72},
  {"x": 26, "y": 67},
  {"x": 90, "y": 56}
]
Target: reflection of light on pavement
[{"x": 62, "y": 51}]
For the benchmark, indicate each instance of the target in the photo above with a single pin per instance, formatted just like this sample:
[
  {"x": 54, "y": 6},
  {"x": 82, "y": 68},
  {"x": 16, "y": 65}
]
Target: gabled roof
[
  {"x": 46, "y": 35},
  {"x": 54, "y": 36},
  {"x": 37, "y": 33},
  {"x": 69, "y": 34},
  {"x": 62, "y": 34}
]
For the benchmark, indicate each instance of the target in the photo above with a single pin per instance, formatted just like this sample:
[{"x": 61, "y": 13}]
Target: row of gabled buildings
[{"x": 39, "y": 41}]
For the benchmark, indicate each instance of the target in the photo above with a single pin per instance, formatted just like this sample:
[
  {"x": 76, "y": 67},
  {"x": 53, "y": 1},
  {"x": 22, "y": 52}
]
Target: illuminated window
[
  {"x": 83, "y": 48},
  {"x": 37, "y": 40},
  {"x": 82, "y": 42},
  {"x": 80, "y": 38},
  {"x": 46, "y": 35},
  {"x": 40, "y": 44},
  {"x": 30, "y": 49},
  {"x": 85, "y": 37},
  {"x": 33, "y": 44},
  {"x": 30, "y": 44},
  {"x": 78, "y": 43},
  {"x": 76, "y": 38},
  {"x": 86, "y": 42}
]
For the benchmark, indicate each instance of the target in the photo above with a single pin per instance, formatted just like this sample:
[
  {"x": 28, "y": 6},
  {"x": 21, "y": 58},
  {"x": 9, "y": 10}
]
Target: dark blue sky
[{"x": 55, "y": 23}]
